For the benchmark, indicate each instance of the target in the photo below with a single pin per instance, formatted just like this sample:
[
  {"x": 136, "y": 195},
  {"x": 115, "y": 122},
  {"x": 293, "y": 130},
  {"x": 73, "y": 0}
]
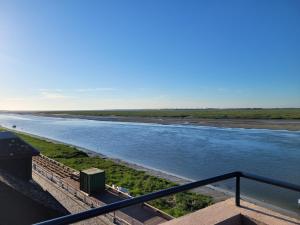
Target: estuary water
[{"x": 194, "y": 152}]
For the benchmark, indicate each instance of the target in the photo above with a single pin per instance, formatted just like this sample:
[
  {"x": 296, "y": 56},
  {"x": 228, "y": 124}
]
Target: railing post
[
  {"x": 114, "y": 217},
  {"x": 237, "y": 190}
]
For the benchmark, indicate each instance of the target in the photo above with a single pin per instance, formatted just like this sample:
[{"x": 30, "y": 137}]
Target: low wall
[{"x": 67, "y": 200}]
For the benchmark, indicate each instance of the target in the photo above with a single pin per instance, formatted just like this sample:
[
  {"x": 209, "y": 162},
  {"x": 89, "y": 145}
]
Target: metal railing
[{"x": 173, "y": 190}]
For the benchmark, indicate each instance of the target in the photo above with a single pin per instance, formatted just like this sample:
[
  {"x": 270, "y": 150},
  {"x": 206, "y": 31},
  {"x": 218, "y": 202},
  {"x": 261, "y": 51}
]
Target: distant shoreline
[{"x": 272, "y": 124}]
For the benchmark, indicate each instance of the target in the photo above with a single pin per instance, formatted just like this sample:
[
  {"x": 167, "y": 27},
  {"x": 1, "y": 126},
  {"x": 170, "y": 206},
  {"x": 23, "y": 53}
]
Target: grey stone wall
[{"x": 70, "y": 202}]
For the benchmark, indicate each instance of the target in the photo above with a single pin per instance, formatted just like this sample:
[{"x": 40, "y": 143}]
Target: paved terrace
[{"x": 227, "y": 213}]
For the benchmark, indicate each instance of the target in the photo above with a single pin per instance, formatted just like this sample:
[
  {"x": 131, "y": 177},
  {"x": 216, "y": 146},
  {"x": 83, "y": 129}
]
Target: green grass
[
  {"x": 280, "y": 113},
  {"x": 138, "y": 182}
]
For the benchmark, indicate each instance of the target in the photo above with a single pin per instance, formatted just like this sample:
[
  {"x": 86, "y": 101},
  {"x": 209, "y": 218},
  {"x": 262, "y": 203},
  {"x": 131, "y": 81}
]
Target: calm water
[{"x": 190, "y": 151}]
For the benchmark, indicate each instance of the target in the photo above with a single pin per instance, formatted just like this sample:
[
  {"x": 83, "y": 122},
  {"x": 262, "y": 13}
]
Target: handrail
[
  {"x": 173, "y": 190},
  {"x": 266, "y": 180}
]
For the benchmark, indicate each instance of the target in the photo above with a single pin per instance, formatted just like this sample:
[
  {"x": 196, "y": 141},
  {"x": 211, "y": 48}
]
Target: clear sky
[{"x": 60, "y": 54}]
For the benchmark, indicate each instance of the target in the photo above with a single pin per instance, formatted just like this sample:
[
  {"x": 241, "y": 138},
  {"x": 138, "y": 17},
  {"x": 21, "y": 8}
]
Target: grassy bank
[
  {"x": 280, "y": 113},
  {"x": 137, "y": 182}
]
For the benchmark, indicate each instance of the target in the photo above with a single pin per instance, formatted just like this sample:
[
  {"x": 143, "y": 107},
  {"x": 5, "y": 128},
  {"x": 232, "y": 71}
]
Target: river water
[{"x": 194, "y": 152}]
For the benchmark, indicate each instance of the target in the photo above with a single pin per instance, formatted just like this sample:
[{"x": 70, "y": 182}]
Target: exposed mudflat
[{"x": 278, "y": 124}]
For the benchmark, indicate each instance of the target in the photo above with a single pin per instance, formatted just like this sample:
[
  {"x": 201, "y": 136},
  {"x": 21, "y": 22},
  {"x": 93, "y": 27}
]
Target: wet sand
[{"x": 292, "y": 125}]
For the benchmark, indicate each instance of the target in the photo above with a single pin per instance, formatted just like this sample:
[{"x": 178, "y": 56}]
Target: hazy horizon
[
  {"x": 116, "y": 109},
  {"x": 109, "y": 55}
]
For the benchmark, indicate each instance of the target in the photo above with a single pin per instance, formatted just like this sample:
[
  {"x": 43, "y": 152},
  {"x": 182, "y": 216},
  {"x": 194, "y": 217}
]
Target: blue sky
[{"x": 111, "y": 54}]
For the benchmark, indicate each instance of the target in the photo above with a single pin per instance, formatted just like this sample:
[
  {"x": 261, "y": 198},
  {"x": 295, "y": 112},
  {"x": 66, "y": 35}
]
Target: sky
[{"x": 109, "y": 54}]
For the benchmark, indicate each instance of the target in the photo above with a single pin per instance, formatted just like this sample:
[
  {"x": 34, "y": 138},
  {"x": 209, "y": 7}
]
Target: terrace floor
[{"x": 226, "y": 213}]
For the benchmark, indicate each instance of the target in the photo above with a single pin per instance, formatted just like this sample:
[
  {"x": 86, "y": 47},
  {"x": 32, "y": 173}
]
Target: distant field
[{"x": 284, "y": 113}]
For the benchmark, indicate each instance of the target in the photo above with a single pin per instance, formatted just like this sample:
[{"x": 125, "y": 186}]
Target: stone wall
[{"x": 70, "y": 202}]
